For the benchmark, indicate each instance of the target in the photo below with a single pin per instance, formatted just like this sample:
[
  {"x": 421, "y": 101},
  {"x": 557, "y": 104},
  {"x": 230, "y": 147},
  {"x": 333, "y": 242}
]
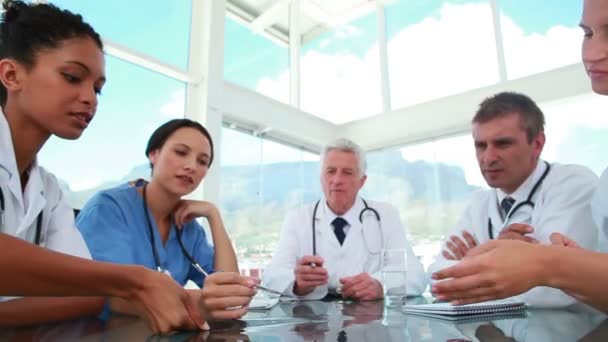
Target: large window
[
  {"x": 157, "y": 28},
  {"x": 261, "y": 181},
  {"x": 340, "y": 78},
  {"x": 439, "y": 48},
  {"x": 134, "y": 102},
  {"x": 534, "y": 43},
  {"x": 253, "y": 61},
  {"x": 429, "y": 183},
  {"x": 577, "y": 131}
]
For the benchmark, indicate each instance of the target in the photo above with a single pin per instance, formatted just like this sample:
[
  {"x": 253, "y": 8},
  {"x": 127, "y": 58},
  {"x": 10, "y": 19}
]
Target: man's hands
[
  {"x": 361, "y": 287},
  {"x": 517, "y": 231},
  {"x": 457, "y": 247},
  {"x": 562, "y": 240},
  {"x": 310, "y": 273}
]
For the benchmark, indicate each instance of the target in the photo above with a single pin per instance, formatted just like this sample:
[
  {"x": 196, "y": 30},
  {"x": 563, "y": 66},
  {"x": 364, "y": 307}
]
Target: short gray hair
[{"x": 345, "y": 145}]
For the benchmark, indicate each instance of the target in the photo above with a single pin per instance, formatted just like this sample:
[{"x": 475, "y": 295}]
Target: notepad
[
  {"x": 261, "y": 303},
  {"x": 472, "y": 318},
  {"x": 451, "y": 312}
]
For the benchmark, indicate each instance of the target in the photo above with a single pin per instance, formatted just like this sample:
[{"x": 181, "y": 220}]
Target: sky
[{"x": 435, "y": 48}]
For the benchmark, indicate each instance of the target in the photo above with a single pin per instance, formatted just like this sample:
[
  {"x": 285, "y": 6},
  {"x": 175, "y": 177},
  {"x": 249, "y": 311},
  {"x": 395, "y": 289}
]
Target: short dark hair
[
  {"x": 27, "y": 28},
  {"x": 505, "y": 103},
  {"x": 162, "y": 133}
]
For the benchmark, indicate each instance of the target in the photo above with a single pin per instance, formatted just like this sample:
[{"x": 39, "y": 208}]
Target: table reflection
[{"x": 338, "y": 321}]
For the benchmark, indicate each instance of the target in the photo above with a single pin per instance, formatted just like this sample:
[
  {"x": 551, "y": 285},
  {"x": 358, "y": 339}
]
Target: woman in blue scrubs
[{"x": 149, "y": 224}]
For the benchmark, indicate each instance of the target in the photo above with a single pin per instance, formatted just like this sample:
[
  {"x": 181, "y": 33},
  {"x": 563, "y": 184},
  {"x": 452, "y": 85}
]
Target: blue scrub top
[{"x": 114, "y": 226}]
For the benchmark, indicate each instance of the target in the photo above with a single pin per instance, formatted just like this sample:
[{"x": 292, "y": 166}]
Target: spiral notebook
[{"x": 446, "y": 311}]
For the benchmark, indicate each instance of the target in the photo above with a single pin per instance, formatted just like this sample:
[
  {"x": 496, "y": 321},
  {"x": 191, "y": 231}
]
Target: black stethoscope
[
  {"x": 314, "y": 226},
  {"x": 38, "y": 220},
  {"x": 528, "y": 201},
  {"x": 178, "y": 232}
]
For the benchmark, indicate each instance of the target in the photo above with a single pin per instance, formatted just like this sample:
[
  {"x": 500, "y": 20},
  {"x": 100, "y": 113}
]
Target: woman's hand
[
  {"x": 188, "y": 210},
  {"x": 494, "y": 270},
  {"x": 226, "y": 295}
]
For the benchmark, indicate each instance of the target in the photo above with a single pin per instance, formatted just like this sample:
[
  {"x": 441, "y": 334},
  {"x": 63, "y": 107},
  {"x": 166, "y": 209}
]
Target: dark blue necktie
[
  {"x": 506, "y": 205},
  {"x": 339, "y": 224}
]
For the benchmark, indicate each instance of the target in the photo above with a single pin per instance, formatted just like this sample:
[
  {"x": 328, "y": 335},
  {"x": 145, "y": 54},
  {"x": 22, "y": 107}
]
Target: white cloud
[
  {"x": 565, "y": 117},
  {"x": 533, "y": 53},
  {"x": 175, "y": 107},
  {"x": 442, "y": 55}
]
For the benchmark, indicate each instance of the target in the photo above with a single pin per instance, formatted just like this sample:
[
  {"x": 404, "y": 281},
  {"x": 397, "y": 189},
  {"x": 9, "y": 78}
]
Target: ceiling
[{"x": 271, "y": 17}]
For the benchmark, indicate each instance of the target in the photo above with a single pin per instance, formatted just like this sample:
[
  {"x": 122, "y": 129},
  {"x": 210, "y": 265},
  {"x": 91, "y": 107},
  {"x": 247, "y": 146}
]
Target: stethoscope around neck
[
  {"x": 38, "y": 219},
  {"x": 178, "y": 233},
  {"x": 528, "y": 201},
  {"x": 363, "y": 211}
]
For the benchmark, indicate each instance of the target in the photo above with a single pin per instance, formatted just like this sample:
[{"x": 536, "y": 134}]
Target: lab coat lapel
[
  {"x": 495, "y": 216},
  {"x": 33, "y": 199},
  {"x": 8, "y": 166}
]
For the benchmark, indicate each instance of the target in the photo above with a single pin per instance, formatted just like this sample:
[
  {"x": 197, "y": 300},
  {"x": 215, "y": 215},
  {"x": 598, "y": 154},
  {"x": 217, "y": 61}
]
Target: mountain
[{"x": 249, "y": 185}]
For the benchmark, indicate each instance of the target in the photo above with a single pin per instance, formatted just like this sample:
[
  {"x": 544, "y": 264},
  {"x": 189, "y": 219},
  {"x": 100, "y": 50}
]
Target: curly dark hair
[
  {"x": 162, "y": 133},
  {"x": 27, "y": 28}
]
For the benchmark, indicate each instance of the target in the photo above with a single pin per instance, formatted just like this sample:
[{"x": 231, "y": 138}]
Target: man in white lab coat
[
  {"x": 334, "y": 246},
  {"x": 530, "y": 198}
]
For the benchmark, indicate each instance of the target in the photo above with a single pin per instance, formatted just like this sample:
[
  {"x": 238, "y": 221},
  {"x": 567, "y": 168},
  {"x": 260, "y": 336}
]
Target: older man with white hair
[{"x": 333, "y": 246}]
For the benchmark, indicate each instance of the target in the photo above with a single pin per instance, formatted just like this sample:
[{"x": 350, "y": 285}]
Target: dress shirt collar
[
  {"x": 351, "y": 216},
  {"x": 522, "y": 193}
]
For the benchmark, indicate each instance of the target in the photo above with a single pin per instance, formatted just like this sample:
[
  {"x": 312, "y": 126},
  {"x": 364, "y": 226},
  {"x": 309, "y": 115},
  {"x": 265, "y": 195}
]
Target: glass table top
[{"x": 339, "y": 320}]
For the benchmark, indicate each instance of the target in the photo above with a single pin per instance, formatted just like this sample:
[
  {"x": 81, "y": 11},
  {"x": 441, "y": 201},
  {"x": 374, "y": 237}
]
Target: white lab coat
[
  {"x": 562, "y": 204},
  {"x": 599, "y": 209},
  {"x": 349, "y": 259},
  {"x": 42, "y": 193}
]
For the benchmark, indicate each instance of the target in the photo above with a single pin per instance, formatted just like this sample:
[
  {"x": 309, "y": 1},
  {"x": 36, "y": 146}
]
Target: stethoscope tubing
[
  {"x": 178, "y": 232},
  {"x": 314, "y": 219},
  {"x": 528, "y": 201}
]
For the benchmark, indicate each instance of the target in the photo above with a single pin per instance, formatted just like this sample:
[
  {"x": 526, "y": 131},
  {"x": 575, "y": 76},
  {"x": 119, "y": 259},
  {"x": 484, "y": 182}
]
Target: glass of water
[{"x": 394, "y": 269}]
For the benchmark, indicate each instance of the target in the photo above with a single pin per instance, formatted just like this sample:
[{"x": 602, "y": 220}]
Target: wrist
[
  {"x": 133, "y": 282},
  {"x": 547, "y": 262},
  {"x": 300, "y": 291},
  {"x": 214, "y": 218}
]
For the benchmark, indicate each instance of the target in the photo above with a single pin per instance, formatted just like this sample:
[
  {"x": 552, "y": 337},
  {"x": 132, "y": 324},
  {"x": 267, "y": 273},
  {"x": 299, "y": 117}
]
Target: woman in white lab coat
[
  {"x": 500, "y": 269},
  {"x": 51, "y": 71}
]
